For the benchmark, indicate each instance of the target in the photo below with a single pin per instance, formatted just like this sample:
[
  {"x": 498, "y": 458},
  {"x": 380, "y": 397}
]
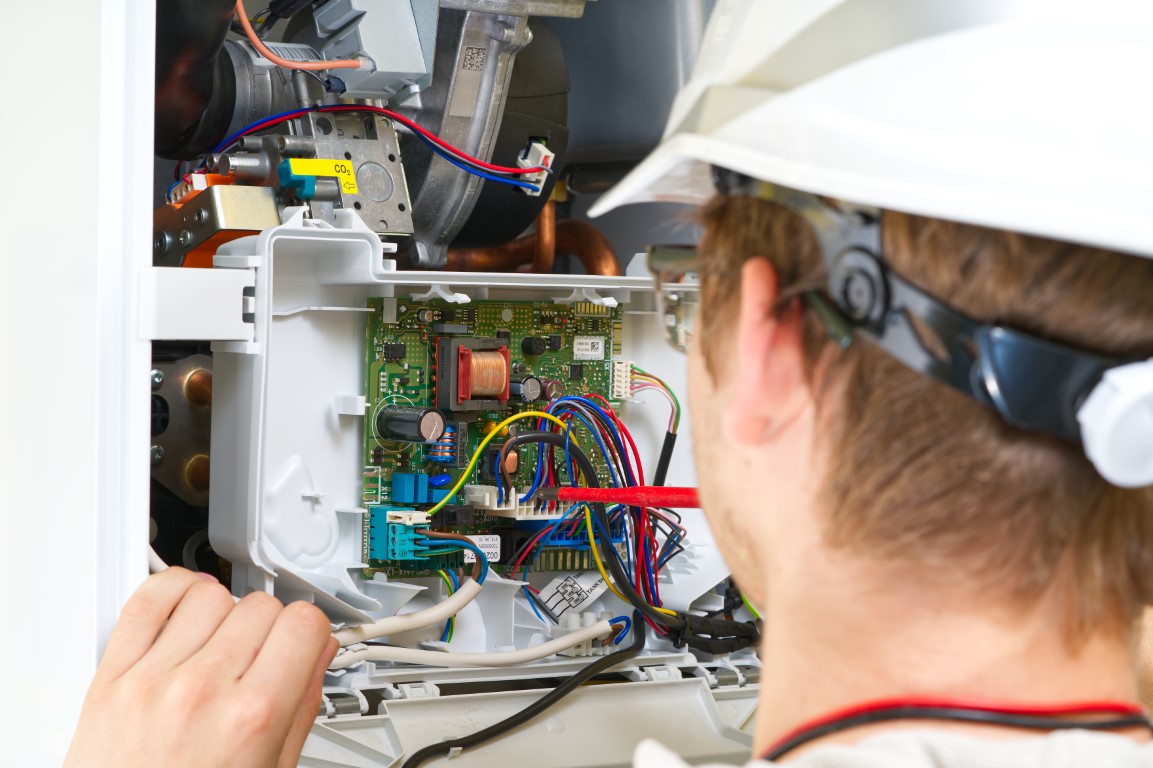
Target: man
[
  {"x": 916, "y": 410},
  {"x": 930, "y": 407}
]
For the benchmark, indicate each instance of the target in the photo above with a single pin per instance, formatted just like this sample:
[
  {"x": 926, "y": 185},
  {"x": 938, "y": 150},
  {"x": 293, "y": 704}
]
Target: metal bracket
[
  {"x": 589, "y": 295},
  {"x": 178, "y": 304},
  {"x": 440, "y": 292}
]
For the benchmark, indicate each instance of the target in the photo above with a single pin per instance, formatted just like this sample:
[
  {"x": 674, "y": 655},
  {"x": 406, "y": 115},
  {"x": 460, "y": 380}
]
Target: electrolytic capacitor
[
  {"x": 414, "y": 425},
  {"x": 528, "y": 390}
]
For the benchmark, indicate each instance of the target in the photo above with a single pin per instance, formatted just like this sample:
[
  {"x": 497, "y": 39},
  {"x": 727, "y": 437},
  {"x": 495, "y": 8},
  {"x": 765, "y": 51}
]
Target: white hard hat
[{"x": 1028, "y": 115}]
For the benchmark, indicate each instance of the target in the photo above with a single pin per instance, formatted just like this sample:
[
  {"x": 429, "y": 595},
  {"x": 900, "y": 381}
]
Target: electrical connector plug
[
  {"x": 622, "y": 380},
  {"x": 393, "y": 533},
  {"x": 535, "y": 155},
  {"x": 573, "y": 622}
]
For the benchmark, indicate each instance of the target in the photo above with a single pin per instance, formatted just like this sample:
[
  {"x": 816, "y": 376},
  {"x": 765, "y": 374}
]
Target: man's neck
[{"x": 843, "y": 636}]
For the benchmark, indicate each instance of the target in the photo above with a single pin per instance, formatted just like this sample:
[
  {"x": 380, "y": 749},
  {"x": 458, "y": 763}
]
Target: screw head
[
  {"x": 157, "y": 376},
  {"x": 185, "y": 237},
  {"x": 157, "y": 454}
]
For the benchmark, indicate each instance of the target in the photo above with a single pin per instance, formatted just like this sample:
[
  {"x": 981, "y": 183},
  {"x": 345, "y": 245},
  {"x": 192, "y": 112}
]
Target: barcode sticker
[
  {"x": 588, "y": 348},
  {"x": 488, "y": 543}
]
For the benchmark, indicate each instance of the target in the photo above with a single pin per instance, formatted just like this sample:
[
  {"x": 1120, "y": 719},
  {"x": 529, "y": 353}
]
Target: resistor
[{"x": 443, "y": 451}]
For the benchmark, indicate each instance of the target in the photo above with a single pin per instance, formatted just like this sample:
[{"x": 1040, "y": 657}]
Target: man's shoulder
[{"x": 928, "y": 748}]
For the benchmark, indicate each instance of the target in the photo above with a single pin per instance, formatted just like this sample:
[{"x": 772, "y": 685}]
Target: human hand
[{"x": 193, "y": 679}]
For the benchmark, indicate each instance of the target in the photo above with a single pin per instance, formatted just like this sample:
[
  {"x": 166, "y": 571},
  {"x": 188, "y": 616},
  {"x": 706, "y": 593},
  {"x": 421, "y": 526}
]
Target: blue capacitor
[{"x": 440, "y": 481}]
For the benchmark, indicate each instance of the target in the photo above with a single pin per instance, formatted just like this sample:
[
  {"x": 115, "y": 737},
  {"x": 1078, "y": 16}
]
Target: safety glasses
[{"x": 675, "y": 271}]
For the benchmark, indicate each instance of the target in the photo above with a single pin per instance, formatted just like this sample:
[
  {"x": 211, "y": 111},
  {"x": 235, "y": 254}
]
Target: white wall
[{"x": 75, "y": 204}]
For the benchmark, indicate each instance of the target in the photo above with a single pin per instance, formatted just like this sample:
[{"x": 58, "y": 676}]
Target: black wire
[
  {"x": 959, "y": 714},
  {"x": 538, "y": 707},
  {"x": 667, "y": 447}
]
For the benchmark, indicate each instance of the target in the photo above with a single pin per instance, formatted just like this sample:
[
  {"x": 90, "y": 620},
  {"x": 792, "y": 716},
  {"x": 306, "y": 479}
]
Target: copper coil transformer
[
  {"x": 482, "y": 374},
  {"x": 489, "y": 372},
  {"x": 472, "y": 374}
]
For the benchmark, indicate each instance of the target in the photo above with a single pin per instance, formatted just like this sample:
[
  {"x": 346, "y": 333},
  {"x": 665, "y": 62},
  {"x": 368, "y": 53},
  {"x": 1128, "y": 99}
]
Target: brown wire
[{"x": 458, "y": 537}]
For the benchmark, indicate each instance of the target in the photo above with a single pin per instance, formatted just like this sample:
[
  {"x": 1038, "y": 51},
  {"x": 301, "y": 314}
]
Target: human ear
[{"x": 769, "y": 367}]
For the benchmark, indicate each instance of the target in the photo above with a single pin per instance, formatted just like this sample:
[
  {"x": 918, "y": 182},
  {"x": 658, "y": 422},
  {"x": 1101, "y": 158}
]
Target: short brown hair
[{"x": 922, "y": 475}]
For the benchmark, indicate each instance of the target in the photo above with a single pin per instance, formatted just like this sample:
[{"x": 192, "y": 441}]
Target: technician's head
[{"x": 935, "y": 365}]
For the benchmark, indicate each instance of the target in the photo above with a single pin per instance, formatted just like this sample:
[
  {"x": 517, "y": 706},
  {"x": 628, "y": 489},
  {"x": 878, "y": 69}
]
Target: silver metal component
[
  {"x": 571, "y": 9},
  {"x": 367, "y": 143},
  {"x": 187, "y": 436},
  {"x": 161, "y": 242},
  {"x": 233, "y": 208},
  {"x": 296, "y": 146},
  {"x": 249, "y": 168},
  {"x": 474, "y": 59},
  {"x": 157, "y": 378}
]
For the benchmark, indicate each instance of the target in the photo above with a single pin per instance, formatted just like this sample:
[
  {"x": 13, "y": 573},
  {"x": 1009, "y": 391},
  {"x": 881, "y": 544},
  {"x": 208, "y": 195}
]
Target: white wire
[
  {"x": 663, "y": 391},
  {"x": 417, "y": 620},
  {"x": 155, "y": 564},
  {"x": 495, "y": 659}
]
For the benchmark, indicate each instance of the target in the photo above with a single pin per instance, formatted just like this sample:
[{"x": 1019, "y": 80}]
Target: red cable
[
  {"x": 427, "y": 134},
  {"x": 400, "y": 119},
  {"x": 1002, "y": 708}
]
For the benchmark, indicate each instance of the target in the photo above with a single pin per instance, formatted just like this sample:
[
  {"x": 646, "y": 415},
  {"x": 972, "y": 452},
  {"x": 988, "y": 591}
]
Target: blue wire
[
  {"x": 532, "y": 604},
  {"x": 459, "y": 544},
  {"x": 474, "y": 171},
  {"x": 624, "y": 632},
  {"x": 168, "y": 194}
]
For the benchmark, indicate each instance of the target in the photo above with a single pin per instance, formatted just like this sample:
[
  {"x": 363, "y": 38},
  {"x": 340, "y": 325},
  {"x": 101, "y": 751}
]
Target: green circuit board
[{"x": 582, "y": 339}]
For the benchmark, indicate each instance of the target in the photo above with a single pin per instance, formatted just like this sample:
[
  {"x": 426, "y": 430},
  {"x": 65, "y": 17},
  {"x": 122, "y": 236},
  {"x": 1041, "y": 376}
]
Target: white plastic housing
[
  {"x": 286, "y": 497},
  {"x": 1117, "y": 425}
]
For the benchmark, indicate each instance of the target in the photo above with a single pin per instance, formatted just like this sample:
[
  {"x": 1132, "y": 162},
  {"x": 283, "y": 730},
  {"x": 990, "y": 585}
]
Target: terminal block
[{"x": 394, "y": 533}]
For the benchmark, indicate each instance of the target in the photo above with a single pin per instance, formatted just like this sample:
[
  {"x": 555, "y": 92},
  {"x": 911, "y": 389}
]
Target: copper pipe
[
  {"x": 545, "y": 239},
  {"x": 579, "y": 238}
]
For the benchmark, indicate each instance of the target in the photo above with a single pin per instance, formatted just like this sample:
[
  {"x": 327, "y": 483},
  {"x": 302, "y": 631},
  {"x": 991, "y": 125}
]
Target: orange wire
[{"x": 311, "y": 66}]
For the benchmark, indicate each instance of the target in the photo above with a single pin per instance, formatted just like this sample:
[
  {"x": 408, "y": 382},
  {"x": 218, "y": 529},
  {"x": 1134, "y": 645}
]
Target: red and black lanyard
[{"x": 1091, "y": 715}]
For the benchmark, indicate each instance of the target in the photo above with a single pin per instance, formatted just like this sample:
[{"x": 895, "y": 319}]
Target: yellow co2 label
[{"x": 341, "y": 169}]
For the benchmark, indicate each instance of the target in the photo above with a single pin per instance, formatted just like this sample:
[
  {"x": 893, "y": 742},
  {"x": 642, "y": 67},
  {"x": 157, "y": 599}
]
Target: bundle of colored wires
[
  {"x": 654, "y": 536},
  {"x": 701, "y": 632},
  {"x": 489, "y": 171},
  {"x": 643, "y": 380}
]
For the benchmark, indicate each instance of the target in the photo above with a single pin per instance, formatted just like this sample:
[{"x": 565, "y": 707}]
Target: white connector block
[
  {"x": 402, "y": 517},
  {"x": 485, "y": 497},
  {"x": 572, "y": 622},
  {"x": 535, "y": 155},
  {"x": 622, "y": 380}
]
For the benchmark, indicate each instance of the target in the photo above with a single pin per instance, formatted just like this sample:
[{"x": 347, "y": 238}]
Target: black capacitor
[
  {"x": 414, "y": 425},
  {"x": 529, "y": 389},
  {"x": 533, "y": 345}
]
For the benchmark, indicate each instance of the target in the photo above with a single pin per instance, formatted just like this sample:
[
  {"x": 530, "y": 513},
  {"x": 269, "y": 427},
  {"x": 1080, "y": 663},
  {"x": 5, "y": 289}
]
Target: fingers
[
  {"x": 309, "y": 707},
  {"x": 194, "y": 621},
  {"x": 239, "y": 638},
  {"x": 289, "y": 656},
  {"x": 142, "y": 618}
]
